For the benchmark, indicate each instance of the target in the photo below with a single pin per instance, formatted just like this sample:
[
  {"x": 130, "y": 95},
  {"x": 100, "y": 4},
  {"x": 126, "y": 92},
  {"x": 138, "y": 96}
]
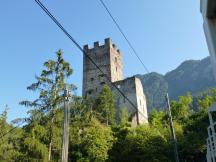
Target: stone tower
[{"x": 109, "y": 59}]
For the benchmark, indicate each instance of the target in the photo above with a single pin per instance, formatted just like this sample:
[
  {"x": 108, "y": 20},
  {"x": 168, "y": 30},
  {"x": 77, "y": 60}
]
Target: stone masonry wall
[
  {"x": 109, "y": 59},
  {"x": 133, "y": 90}
]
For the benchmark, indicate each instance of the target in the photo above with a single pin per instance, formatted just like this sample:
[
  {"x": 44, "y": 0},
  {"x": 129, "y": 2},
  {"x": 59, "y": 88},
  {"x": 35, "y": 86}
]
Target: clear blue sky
[{"x": 164, "y": 33}]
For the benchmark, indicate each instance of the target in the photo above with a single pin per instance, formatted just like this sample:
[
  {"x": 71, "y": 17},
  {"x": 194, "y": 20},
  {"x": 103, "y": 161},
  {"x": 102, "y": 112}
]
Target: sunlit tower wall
[
  {"x": 133, "y": 89},
  {"x": 109, "y": 59}
]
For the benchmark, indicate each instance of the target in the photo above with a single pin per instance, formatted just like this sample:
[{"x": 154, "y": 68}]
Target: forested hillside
[{"x": 95, "y": 133}]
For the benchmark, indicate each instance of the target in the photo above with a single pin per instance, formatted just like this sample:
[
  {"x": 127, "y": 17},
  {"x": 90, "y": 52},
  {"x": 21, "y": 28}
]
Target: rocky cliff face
[{"x": 191, "y": 76}]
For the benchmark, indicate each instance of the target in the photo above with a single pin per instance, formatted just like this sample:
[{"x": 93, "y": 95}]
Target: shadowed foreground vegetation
[{"x": 95, "y": 134}]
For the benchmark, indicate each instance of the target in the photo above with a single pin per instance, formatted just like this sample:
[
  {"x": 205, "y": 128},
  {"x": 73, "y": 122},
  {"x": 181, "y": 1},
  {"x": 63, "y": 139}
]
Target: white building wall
[
  {"x": 209, "y": 25},
  {"x": 141, "y": 102},
  {"x": 208, "y": 10}
]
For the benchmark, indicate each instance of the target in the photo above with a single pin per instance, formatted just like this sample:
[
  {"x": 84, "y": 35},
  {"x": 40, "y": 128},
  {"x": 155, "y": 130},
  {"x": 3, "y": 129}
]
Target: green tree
[
  {"x": 35, "y": 139},
  {"x": 182, "y": 108},
  {"x": 190, "y": 127},
  {"x": 205, "y": 102},
  {"x": 97, "y": 141},
  {"x": 120, "y": 133},
  {"x": 143, "y": 144},
  {"x": 50, "y": 85},
  {"x": 158, "y": 118},
  {"x": 81, "y": 115},
  {"x": 9, "y": 142},
  {"x": 124, "y": 117},
  {"x": 193, "y": 144},
  {"x": 90, "y": 140},
  {"x": 4, "y": 145},
  {"x": 105, "y": 106}
]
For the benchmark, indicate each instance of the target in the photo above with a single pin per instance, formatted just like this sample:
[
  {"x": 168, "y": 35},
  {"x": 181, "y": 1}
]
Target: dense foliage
[{"x": 95, "y": 135}]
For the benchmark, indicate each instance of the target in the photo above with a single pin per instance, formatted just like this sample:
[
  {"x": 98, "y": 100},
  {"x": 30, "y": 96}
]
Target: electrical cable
[
  {"x": 124, "y": 35},
  {"x": 85, "y": 53}
]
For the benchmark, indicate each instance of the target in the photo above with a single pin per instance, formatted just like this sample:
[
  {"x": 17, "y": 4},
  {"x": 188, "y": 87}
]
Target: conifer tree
[
  {"x": 105, "y": 106},
  {"x": 50, "y": 85},
  {"x": 9, "y": 142}
]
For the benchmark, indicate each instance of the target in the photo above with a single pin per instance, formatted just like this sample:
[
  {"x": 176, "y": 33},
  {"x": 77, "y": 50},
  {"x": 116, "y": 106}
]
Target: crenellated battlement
[
  {"x": 97, "y": 45},
  {"x": 108, "y": 58}
]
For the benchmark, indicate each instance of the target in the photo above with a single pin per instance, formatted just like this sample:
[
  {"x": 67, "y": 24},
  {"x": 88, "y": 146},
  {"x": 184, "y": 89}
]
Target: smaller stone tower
[
  {"x": 109, "y": 59},
  {"x": 133, "y": 90}
]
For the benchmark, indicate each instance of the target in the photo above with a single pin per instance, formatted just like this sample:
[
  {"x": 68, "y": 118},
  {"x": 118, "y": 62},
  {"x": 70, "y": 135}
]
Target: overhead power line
[
  {"x": 12, "y": 129},
  {"x": 84, "y": 52},
  {"x": 124, "y": 35}
]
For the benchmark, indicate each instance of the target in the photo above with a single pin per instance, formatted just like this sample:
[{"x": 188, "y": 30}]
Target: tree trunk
[
  {"x": 107, "y": 122},
  {"x": 51, "y": 140},
  {"x": 50, "y": 150}
]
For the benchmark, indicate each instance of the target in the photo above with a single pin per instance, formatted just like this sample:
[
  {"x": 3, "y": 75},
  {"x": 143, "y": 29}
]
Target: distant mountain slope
[{"x": 191, "y": 76}]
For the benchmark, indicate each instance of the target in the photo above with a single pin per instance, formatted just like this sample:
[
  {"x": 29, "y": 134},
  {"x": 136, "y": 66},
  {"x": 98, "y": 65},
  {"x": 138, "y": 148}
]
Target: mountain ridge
[{"x": 190, "y": 76}]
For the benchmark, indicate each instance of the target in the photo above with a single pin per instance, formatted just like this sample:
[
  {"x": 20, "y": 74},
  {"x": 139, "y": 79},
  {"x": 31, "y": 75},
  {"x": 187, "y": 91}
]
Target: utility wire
[
  {"x": 84, "y": 52},
  {"x": 12, "y": 129},
  {"x": 124, "y": 35},
  {"x": 135, "y": 53}
]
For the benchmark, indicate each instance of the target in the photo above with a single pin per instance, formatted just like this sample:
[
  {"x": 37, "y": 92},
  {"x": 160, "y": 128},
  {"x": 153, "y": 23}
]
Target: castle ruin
[{"x": 109, "y": 59}]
